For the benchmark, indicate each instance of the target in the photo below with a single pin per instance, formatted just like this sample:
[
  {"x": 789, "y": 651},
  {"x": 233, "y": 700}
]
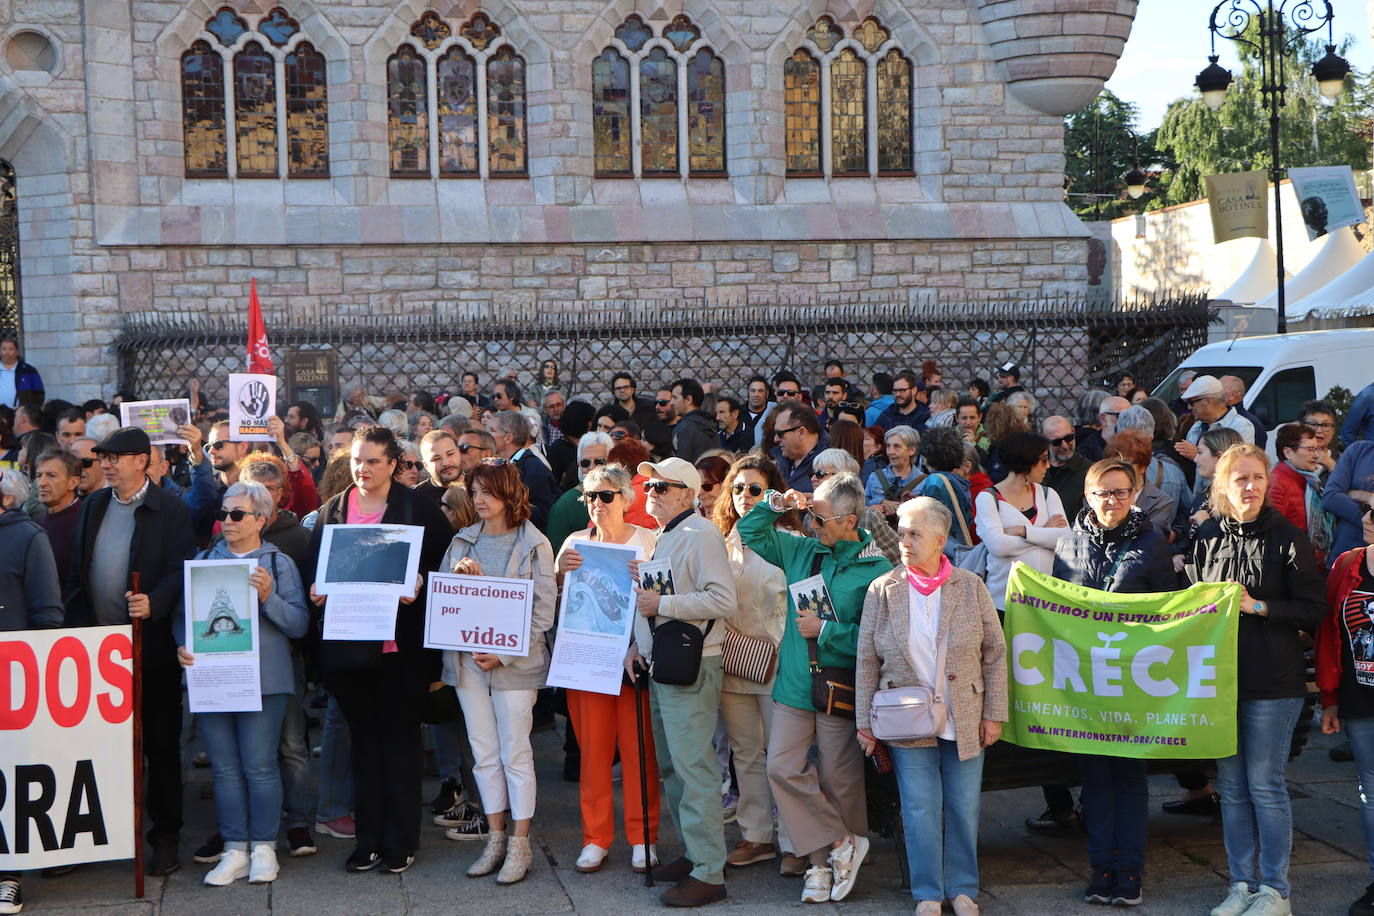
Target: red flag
[{"x": 259, "y": 353}]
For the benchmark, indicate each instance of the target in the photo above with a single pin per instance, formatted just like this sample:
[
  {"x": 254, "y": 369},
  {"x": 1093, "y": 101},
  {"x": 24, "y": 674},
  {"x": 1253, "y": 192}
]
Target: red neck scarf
[{"x": 927, "y": 585}]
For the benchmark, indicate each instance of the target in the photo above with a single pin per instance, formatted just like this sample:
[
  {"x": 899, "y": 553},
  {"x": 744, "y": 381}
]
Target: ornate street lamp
[
  {"x": 1135, "y": 183},
  {"x": 1270, "y": 50}
]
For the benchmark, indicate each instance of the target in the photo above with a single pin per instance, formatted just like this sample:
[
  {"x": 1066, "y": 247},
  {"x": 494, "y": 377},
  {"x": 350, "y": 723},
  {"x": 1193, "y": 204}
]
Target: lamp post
[{"x": 1272, "y": 46}]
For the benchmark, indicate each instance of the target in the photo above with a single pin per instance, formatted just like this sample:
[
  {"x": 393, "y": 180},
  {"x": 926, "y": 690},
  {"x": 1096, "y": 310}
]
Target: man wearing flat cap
[
  {"x": 132, "y": 526},
  {"x": 1206, "y": 398}
]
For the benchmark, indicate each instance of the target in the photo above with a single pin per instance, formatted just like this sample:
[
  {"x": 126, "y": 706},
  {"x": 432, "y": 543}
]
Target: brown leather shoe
[
  {"x": 691, "y": 892},
  {"x": 793, "y": 866},
  {"x": 674, "y": 871},
  {"x": 747, "y": 853}
]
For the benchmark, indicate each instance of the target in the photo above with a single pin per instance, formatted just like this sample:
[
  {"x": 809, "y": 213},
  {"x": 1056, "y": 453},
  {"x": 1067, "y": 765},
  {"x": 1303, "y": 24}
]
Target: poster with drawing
[
  {"x": 1327, "y": 198},
  {"x": 159, "y": 419},
  {"x": 221, "y": 632},
  {"x": 595, "y": 619},
  {"x": 810, "y": 596}
]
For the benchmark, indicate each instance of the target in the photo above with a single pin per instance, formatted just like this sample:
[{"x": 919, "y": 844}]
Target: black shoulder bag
[
  {"x": 832, "y": 687},
  {"x": 677, "y": 651}
]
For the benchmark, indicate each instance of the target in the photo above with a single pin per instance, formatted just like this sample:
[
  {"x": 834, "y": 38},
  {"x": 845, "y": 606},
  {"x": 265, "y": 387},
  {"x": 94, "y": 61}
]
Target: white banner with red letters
[{"x": 66, "y": 747}]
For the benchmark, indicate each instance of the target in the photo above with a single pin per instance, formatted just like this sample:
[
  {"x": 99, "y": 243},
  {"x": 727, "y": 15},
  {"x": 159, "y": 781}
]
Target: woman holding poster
[
  {"x": 1112, "y": 546},
  {"x": 243, "y": 745},
  {"x": 497, "y": 691},
  {"x": 603, "y": 722},
  {"x": 1249, "y": 542}
]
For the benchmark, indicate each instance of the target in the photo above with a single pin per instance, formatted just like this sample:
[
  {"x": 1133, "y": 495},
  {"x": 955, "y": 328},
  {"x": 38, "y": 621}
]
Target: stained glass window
[
  {"x": 658, "y": 113},
  {"x": 480, "y": 31},
  {"x": 802, "y": 98},
  {"x": 825, "y": 34},
  {"x": 633, "y": 33},
  {"x": 681, "y": 32},
  {"x": 848, "y": 114},
  {"x": 456, "y": 78},
  {"x": 278, "y": 27},
  {"x": 871, "y": 35},
  {"x": 431, "y": 30},
  {"x": 506, "y": 112},
  {"x": 706, "y": 113},
  {"x": 407, "y": 113},
  {"x": 203, "y": 122},
  {"x": 611, "y": 113},
  {"x": 226, "y": 26},
  {"x": 894, "y": 113},
  {"x": 307, "y": 122},
  {"x": 255, "y": 112}
]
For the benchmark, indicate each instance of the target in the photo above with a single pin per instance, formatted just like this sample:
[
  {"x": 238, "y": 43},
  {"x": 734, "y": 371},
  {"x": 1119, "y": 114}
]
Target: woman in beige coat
[
  {"x": 929, "y": 623},
  {"x": 745, "y": 705}
]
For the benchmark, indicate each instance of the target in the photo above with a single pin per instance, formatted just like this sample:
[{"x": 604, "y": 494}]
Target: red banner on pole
[{"x": 259, "y": 353}]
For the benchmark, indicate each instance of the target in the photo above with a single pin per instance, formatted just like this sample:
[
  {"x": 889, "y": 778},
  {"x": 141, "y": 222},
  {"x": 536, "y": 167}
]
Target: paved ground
[{"x": 1022, "y": 873}]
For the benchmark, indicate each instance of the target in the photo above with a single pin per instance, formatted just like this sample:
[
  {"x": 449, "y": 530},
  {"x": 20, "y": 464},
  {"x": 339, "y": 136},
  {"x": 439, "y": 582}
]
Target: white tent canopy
[
  {"x": 1356, "y": 283},
  {"x": 1340, "y": 253},
  {"x": 1257, "y": 280}
]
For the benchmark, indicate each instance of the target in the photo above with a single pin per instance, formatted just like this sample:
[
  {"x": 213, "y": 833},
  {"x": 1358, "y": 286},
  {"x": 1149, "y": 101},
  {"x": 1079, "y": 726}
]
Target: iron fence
[{"x": 1062, "y": 346}]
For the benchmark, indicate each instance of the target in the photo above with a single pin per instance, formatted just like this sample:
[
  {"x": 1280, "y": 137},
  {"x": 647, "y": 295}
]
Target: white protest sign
[
  {"x": 596, "y": 617},
  {"x": 66, "y": 747},
  {"x": 479, "y": 614},
  {"x": 159, "y": 419},
  {"x": 222, "y": 633},
  {"x": 252, "y": 399}
]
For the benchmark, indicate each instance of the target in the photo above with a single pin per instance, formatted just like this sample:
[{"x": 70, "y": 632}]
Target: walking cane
[
  {"x": 136, "y": 587},
  {"x": 640, "y": 674}
]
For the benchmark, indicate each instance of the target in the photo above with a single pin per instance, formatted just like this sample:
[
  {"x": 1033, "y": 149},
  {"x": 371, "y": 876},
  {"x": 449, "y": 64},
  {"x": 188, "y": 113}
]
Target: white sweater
[{"x": 993, "y": 516}]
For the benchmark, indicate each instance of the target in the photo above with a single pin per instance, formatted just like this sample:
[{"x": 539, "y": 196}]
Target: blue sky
[{"x": 1169, "y": 45}]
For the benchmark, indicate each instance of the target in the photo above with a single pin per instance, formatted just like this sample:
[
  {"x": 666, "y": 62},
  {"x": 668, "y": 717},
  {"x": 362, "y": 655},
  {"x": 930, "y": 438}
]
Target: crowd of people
[{"x": 900, "y": 503}]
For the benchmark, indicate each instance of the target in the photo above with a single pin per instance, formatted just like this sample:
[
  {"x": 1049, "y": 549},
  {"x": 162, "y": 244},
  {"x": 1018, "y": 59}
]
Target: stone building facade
[{"x": 851, "y": 147}]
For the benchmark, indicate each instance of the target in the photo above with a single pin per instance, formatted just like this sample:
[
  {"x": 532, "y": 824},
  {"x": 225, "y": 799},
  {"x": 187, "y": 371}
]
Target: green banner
[{"x": 1147, "y": 676}]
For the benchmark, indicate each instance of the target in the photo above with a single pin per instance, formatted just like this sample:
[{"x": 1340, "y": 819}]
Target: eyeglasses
[
  {"x": 1071, "y": 437},
  {"x": 779, "y": 433},
  {"x": 408, "y": 465},
  {"x": 622, "y": 387},
  {"x": 789, "y": 392},
  {"x": 1309, "y": 449},
  {"x": 606, "y": 496},
  {"x": 1119, "y": 495},
  {"x": 1323, "y": 424},
  {"x": 821, "y": 518},
  {"x": 1191, "y": 401},
  {"x": 313, "y": 462},
  {"x": 1117, "y": 413},
  {"x": 495, "y": 462},
  {"x": 662, "y": 486},
  {"x": 588, "y": 462},
  {"x": 753, "y": 488},
  {"x": 851, "y": 405},
  {"x": 662, "y": 403},
  {"x": 465, "y": 447},
  {"x": 902, "y": 390},
  {"x": 236, "y": 515}
]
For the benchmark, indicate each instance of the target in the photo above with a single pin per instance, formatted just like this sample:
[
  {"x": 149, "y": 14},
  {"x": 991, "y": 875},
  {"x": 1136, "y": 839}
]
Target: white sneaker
[
  {"x": 846, "y": 861},
  {"x": 233, "y": 865},
  {"x": 928, "y": 908},
  {"x": 1236, "y": 902},
  {"x": 964, "y": 906},
  {"x": 817, "y": 887},
  {"x": 262, "y": 867},
  {"x": 591, "y": 859},
  {"x": 1269, "y": 902},
  {"x": 637, "y": 863}
]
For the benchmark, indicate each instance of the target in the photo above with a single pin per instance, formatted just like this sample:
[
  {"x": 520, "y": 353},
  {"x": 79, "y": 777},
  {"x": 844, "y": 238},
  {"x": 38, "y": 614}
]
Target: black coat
[
  {"x": 403, "y": 507},
  {"x": 544, "y": 492},
  {"x": 163, "y": 540},
  {"x": 1274, "y": 561},
  {"x": 1087, "y": 554}
]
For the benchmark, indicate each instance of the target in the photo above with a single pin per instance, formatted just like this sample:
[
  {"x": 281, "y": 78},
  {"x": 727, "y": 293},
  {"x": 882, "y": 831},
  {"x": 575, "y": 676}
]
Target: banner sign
[
  {"x": 1146, "y": 676},
  {"x": 66, "y": 747},
  {"x": 1239, "y": 204},
  {"x": 252, "y": 399},
  {"x": 1327, "y": 198},
  {"x": 312, "y": 376},
  {"x": 479, "y": 614}
]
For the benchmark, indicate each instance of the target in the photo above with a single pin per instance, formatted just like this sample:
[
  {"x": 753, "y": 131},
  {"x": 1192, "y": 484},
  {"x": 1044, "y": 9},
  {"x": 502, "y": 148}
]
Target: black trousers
[
  {"x": 382, "y": 706},
  {"x": 162, "y": 749}
]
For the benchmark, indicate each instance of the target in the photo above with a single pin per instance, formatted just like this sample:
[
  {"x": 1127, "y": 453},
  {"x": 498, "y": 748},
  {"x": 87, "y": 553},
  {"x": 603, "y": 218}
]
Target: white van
[{"x": 1282, "y": 371}]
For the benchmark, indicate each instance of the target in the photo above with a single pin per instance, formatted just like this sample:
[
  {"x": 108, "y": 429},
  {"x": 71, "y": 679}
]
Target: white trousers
[{"x": 499, "y": 723}]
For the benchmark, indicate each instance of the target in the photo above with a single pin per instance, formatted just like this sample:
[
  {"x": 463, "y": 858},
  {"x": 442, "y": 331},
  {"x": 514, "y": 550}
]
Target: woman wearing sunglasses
[
  {"x": 243, "y": 745},
  {"x": 602, "y": 722},
  {"x": 712, "y": 469},
  {"x": 496, "y": 691},
  {"x": 569, "y": 512},
  {"x": 410, "y": 470},
  {"x": 747, "y": 705}
]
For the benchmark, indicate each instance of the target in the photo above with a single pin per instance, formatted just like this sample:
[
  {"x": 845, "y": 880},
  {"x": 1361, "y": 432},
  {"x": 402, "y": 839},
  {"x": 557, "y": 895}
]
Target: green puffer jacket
[{"x": 847, "y": 568}]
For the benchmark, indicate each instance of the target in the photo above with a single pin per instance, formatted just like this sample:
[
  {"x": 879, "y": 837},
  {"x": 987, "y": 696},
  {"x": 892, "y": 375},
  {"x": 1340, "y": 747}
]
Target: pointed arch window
[
  {"x": 473, "y": 80},
  {"x": 658, "y": 103},
  {"x": 865, "y": 84},
  {"x": 254, "y": 100}
]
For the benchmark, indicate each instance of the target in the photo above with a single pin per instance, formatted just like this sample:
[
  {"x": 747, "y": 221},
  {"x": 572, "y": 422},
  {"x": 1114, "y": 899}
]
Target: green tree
[
  {"x": 1235, "y": 138},
  {"x": 1101, "y": 144}
]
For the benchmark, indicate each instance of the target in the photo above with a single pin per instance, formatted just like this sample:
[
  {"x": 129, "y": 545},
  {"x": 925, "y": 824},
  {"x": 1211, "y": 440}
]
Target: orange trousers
[{"x": 600, "y": 723}]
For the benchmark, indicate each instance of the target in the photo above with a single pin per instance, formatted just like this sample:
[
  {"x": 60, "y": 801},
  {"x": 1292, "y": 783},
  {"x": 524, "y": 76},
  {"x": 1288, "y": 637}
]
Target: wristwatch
[{"x": 1259, "y": 608}]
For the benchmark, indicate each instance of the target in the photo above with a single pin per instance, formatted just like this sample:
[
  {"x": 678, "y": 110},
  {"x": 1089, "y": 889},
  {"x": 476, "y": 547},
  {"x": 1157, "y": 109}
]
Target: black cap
[{"x": 127, "y": 440}]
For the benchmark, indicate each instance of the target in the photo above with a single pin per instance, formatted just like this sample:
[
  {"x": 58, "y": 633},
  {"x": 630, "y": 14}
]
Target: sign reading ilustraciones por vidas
[{"x": 1150, "y": 676}]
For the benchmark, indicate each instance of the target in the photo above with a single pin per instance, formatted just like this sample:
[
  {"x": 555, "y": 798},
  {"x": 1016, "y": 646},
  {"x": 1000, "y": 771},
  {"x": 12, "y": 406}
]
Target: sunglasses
[
  {"x": 789, "y": 392},
  {"x": 313, "y": 462},
  {"x": 407, "y": 465},
  {"x": 821, "y": 518},
  {"x": 662, "y": 486},
  {"x": 606, "y": 496},
  {"x": 88, "y": 462},
  {"x": 753, "y": 488},
  {"x": 588, "y": 462},
  {"x": 619, "y": 434},
  {"x": 851, "y": 405},
  {"x": 464, "y": 448},
  {"x": 216, "y": 446},
  {"x": 662, "y": 403},
  {"x": 1071, "y": 437},
  {"x": 779, "y": 433},
  {"x": 820, "y": 475},
  {"x": 236, "y": 515},
  {"x": 494, "y": 462},
  {"x": 708, "y": 487}
]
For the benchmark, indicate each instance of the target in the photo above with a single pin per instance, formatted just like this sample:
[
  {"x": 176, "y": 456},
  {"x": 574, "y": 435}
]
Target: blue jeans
[
  {"x": 941, "y": 795},
  {"x": 1116, "y": 803},
  {"x": 294, "y": 755},
  {"x": 1256, "y": 813},
  {"x": 243, "y": 760},
  {"x": 1361, "y": 735},
  {"x": 336, "y": 766},
  {"x": 453, "y": 756}
]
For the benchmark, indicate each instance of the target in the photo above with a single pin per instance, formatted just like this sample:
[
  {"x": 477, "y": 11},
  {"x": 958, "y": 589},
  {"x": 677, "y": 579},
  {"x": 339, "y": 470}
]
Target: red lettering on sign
[
  {"x": 17, "y": 653},
  {"x": 68, "y": 647},
  {"x": 118, "y": 677}
]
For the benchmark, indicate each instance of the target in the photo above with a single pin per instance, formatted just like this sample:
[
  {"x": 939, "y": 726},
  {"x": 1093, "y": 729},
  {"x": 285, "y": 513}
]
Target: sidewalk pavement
[{"x": 1022, "y": 873}]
